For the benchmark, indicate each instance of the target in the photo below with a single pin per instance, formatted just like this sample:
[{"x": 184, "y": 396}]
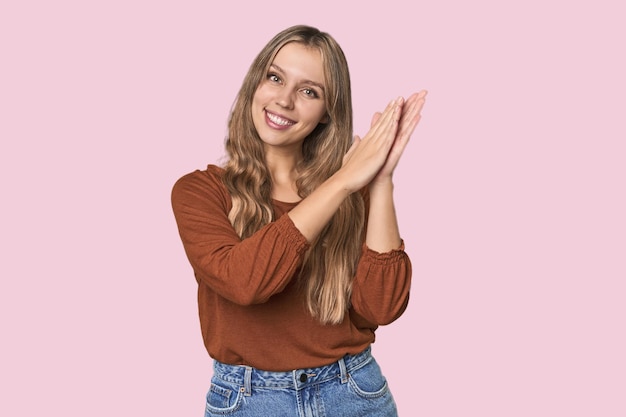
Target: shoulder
[
  {"x": 212, "y": 175},
  {"x": 201, "y": 184}
]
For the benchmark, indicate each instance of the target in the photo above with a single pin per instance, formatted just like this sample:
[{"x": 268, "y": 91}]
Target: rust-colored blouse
[{"x": 252, "y": 312}]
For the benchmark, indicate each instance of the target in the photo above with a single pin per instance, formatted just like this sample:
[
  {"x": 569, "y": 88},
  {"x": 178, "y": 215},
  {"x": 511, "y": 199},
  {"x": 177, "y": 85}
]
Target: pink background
[{"x": 511, "y": 197}]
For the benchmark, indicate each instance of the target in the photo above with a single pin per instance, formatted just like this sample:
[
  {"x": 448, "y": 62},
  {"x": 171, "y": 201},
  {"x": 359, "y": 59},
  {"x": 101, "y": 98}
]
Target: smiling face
[{"x": 289, "y": 102}]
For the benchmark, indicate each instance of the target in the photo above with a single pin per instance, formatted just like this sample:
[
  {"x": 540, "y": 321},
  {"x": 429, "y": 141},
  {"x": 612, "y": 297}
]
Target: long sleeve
[
  {"x": 380, "y": 291},
  {"x": 381, "y": 287},
  {"x": 247, "y": 271}
]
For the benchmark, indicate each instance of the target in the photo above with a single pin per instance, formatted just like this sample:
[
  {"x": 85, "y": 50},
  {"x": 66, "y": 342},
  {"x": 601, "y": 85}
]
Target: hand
[
  {"x": 366, "y": 156},
  {"x": 408, "y": 121}
]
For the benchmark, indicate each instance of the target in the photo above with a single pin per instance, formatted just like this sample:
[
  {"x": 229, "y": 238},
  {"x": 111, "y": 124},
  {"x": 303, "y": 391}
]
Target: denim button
[{"x": 303, "y": 377}]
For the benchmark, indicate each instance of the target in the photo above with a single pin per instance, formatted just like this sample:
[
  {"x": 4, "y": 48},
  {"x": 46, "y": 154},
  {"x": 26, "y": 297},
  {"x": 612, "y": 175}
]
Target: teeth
[{"x": 279, "y": 120}]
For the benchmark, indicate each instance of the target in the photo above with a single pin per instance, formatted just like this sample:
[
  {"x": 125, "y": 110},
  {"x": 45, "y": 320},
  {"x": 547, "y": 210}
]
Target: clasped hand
[{"x": 374, "y": 157}]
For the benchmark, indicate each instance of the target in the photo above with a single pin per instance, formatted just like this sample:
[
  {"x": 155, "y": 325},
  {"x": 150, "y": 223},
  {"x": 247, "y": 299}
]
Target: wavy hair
[{"x": 330, "y": 264}]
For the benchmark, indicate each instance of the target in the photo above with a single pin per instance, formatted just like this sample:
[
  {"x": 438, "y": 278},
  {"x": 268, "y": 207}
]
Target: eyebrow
[{"x": 318, "y": 85}]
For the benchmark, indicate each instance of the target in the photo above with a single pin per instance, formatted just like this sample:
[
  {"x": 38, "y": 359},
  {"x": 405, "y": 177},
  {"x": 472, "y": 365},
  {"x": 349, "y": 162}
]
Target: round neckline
[{"x": 285, "y": 203}]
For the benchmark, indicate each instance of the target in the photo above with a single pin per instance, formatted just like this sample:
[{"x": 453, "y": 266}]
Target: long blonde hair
[{"x": 330, "y": 264}]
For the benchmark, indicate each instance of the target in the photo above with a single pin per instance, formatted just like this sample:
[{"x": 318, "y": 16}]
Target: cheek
[
  {"x": 260, "y": 95},
  {"x": 256, "y": 99},
  {"x": 317, "y": 112}
]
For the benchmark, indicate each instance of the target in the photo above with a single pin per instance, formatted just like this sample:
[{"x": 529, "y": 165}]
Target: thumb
[
  {"x": 355, "y": 143},
  {"x": 375, "y": 118}
]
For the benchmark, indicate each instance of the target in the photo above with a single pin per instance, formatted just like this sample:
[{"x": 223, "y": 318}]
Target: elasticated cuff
[
  {"x": 384, "y": 258},
  {"x": 288, "y": 229}
]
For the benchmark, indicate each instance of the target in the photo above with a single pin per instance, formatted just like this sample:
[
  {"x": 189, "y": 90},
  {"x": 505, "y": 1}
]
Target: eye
[
  {"x": 310, "y": 92},
  {"x": 273, "y": 78}
]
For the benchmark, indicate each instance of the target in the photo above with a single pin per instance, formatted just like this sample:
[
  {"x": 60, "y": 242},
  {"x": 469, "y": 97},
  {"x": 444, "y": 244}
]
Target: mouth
[{"x": 277, "y": 121}]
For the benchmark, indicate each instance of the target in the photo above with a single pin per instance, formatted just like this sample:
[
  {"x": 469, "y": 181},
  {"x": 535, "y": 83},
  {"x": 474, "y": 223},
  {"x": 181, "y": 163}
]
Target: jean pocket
[
  {"x": 368, "y": 381},
  {"x": 223, "y": 398}
]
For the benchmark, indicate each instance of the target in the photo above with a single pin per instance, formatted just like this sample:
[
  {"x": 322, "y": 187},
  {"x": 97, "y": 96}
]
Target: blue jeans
[{"x": 350, "y": 387}]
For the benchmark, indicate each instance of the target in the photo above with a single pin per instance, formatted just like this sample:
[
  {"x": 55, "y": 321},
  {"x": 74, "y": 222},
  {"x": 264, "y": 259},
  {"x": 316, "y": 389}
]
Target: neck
[{"x": 282, "y": 168}]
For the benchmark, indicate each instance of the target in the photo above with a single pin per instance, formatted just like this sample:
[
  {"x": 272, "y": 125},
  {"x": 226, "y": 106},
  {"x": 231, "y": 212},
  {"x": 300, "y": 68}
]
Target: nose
[{"x": 285, "y": 98}]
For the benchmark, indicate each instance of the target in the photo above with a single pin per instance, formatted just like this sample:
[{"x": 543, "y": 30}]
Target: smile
[{"x": 277, "y": 120}]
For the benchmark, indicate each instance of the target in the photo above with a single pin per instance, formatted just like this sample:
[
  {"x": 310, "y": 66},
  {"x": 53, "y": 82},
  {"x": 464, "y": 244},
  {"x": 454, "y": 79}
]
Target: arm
[
  {"x": 382, "y": 283},
  {"x": 245, "y": 271},
  {"x": 382, "y": 225},
  {"x": 361, "y": 164},
  {"x": 380, "y": 290},
  {"x": 370, "y": 160}
]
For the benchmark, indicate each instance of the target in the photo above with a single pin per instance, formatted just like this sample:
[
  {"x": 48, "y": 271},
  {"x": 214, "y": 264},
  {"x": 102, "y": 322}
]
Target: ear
[{"x": 325, "y": 119}]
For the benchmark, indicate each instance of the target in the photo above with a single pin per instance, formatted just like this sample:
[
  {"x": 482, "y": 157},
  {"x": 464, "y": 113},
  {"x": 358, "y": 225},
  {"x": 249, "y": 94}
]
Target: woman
[{"x": 294, "y": 242}]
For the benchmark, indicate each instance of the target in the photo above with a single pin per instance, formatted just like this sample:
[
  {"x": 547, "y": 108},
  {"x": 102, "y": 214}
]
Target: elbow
[
  {"x": 381, "y": 313},
  {"x": 392, "y": 314},
  {"x": 239, "y": 293},
  {"x": 247, "y": 299}
]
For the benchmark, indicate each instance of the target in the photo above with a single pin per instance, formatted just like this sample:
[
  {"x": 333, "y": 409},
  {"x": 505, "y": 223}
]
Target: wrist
[
  {"x": 341, "y": 180},
  {"x": 381, "y": 184}
]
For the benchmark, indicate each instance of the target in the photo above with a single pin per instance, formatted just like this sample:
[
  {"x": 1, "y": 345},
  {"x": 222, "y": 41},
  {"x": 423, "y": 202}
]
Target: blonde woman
[{"x": 294, "y": 242}]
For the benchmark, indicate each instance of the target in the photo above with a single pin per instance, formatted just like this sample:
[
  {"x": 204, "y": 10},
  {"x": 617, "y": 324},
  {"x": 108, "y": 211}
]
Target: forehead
[{"x": 300, "y": 61}]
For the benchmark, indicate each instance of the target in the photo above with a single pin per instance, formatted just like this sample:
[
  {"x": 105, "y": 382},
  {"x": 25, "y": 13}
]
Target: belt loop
[
  {"x": 344, "y": 372},
  {"x": 247, "y": 382}
]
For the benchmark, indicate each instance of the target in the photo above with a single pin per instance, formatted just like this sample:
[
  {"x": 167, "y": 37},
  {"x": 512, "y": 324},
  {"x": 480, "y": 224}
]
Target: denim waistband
[{"x": 249, "y": 377}]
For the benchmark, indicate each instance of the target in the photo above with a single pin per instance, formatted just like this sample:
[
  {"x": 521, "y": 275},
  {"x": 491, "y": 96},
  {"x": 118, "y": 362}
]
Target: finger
[
  {"x": 420, "y": 94},
  {"x": 387, "y": 123},
  {"x": 411, "y": 114},
  {"x": 405, "y": 132},
  {"x": 355, "y": 143},
  {"x": 389, "y": 112},
  {"x": 375, "y": 118},
  {"x": 413, "y": 100},
  {"x": 403, "y": 138},
  {"x": 410, "y": 118},
  {"x": 401, "y": 142}
]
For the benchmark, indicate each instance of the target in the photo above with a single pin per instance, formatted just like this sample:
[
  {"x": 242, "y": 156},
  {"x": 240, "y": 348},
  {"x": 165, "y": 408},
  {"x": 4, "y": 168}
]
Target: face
[{"x": 289, "y": 102}]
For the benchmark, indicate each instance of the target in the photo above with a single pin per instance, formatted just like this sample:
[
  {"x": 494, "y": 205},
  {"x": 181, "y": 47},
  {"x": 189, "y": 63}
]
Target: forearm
[
  {"x": 312, "y": 214},
  {"x": 382, "y": 224},
  {"x": 247, "y": 271}
]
